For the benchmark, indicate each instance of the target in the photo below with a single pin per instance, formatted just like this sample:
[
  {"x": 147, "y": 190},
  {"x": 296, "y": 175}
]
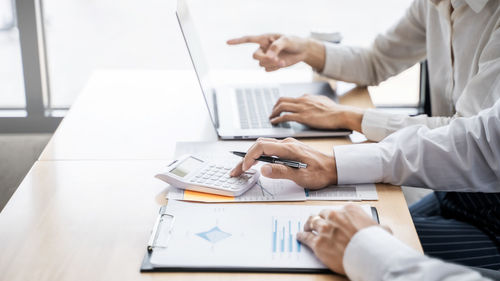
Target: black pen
[{"x": 274, "y": 160}]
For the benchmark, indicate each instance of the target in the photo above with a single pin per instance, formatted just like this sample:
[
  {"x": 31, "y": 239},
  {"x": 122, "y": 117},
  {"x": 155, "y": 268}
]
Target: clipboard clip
[{"x": 162, "y": 230}]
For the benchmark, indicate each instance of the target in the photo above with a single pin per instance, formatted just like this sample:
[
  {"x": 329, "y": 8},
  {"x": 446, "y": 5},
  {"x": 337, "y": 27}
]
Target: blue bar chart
[{"x": 284, "y": 236}]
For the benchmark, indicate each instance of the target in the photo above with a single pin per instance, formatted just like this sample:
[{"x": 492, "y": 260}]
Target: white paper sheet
[
  {"x": 344, "y": 192},
  {"x": 242, "y": 236}
]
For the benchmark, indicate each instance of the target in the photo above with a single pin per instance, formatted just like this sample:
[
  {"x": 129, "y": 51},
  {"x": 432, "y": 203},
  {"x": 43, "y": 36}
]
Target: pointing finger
[{"x": 238, "y": 170}]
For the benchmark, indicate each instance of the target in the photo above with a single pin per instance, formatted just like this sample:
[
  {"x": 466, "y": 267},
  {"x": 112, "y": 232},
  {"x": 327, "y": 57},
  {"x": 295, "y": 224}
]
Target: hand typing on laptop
[
  {"x": 277, "y": 51},
  {"x": 318, "y": 112},
  {"x": 321, "y": 170}
]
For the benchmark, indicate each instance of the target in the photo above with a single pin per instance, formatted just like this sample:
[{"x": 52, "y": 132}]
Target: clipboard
[{"x": 161, "y": 235}]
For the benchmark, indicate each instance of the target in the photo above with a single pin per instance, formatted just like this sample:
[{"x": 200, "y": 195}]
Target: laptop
[
  {"x": 424, "y": 100},
  {"x": 242, "y": 111}
]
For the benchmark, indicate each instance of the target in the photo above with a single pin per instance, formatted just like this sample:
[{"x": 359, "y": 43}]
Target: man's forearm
[
  {"x": 462, "y": 156},
  {"x": 315, "y": 55}
]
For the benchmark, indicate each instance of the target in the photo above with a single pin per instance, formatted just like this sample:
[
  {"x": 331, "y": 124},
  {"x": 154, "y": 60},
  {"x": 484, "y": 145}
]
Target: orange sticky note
[{"x": 190, "y": 195}]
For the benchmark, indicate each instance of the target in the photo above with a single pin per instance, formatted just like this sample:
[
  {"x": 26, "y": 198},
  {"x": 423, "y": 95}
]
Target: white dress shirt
[
  {"x": 463, "y": 156},
  {"x": 373, "y": 255},
  {"x": 463, "y": 53}
]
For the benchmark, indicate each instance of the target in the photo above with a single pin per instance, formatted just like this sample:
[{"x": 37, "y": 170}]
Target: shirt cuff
[
  {"x": 374, "y": 124},
  {"x": 334, "y": 55},
  {"x": 360, "y": 163},
  {"x": 371, "y": 252}
]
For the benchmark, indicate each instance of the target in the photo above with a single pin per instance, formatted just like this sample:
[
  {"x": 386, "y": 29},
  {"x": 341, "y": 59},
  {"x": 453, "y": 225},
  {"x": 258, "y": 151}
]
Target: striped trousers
[{"x": 462, "y": 228}]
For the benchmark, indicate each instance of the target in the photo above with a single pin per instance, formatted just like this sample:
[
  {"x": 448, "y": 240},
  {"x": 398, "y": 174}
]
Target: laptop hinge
[{"x": 216, "y": 117}]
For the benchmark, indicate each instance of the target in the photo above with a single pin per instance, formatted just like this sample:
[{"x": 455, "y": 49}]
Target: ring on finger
[{"x": 313, "y": 220}]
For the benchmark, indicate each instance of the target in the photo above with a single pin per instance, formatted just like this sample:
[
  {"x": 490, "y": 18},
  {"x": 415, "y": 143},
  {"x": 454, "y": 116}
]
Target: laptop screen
[{"x": 197, "y": 58}]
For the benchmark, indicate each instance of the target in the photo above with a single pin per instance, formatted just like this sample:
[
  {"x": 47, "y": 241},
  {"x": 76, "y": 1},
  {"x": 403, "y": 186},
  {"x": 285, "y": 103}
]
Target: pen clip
[{"x": 290, "y": 163}]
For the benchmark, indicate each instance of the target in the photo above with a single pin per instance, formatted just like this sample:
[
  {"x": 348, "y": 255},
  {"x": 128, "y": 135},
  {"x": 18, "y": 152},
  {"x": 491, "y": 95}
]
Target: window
[
  {"x": 82, "y": 36},
  {"x": 11, "y": 71},
  {"x": 56, "y": 44}
]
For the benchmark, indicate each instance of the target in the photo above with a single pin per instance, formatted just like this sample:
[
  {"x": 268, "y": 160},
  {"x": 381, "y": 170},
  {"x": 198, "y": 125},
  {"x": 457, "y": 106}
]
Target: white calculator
[{"x": 191, "y": 173}]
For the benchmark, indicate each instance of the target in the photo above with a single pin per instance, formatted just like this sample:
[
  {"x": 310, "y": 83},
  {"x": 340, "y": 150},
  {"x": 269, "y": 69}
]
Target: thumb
[
  {"x": 278, "y": 171},
  {"x": 276, "y": 47}
]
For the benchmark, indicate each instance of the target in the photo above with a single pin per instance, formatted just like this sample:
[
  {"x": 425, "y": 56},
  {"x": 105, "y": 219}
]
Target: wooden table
[{"x": 86, "y": 208}]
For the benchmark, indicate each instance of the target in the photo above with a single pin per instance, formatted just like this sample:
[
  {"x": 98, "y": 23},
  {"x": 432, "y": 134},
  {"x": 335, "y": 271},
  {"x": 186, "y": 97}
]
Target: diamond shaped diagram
[{"x": 214, "y": 235}]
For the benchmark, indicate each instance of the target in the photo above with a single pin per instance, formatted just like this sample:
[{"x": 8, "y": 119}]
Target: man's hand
[
  {"x": 329, "y": 233},
  {"x": 317, "y": 112},
  {"x": 321, "y": 170},
  {"x": 277, "y": 51}
]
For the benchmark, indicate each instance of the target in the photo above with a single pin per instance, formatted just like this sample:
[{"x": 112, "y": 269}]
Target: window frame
[{"x": 37, "y": 116}]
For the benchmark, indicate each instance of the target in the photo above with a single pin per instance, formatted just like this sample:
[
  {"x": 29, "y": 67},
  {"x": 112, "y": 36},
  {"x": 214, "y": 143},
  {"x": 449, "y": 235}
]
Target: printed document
[{"x": 241, "y": 236}]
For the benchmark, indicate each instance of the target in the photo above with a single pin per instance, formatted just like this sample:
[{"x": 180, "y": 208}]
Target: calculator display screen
[{"x": 186, "y": 167}]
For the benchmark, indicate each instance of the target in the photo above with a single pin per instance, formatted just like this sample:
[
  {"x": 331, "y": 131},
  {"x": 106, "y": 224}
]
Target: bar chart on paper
[
  {"x": 216, "y": 235},
  {"x": 284, "y": 236}
]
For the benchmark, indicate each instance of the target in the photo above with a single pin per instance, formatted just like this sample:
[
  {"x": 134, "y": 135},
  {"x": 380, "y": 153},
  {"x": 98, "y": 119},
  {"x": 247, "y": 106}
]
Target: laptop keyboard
[{"x": 255, "y": 105}]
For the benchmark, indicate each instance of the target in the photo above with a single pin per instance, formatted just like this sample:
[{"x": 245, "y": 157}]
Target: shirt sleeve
[
  {"x": 374, "y": 254},
  {"x": 463, "y": 156},
  {"x": 480, "y": 92},
  {"x": 377, "y": 125},
  {"x": 400, "y": 47}
]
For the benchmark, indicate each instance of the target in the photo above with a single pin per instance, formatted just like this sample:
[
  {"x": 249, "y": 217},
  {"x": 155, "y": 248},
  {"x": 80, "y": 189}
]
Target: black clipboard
[{"x": 164, "y": 222}]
